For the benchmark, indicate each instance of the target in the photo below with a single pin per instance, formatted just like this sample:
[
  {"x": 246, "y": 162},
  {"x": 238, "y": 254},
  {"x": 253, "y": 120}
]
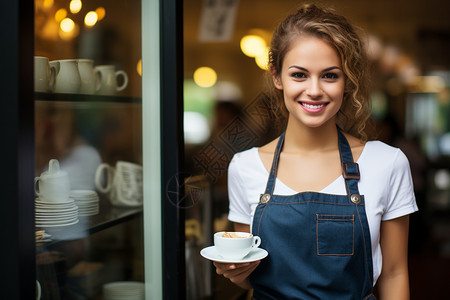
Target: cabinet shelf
[
  {"x": 108, "y": 217},
  {"x": 85, "y": 98}
]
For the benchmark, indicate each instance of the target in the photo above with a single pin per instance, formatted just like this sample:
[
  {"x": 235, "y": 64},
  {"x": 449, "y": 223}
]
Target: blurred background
[{"x": 225, "y": 111}]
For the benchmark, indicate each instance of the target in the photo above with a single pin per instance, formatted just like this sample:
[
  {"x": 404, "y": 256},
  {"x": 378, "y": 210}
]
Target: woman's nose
[{"x": 314, "y": 89}]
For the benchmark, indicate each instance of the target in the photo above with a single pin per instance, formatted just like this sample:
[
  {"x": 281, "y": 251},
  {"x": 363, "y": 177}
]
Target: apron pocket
[{"x": 335, "y": 234}]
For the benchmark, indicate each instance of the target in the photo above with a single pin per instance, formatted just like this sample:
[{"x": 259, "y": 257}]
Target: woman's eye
[
  {"x": 331, "y": 76},
  {"x": 298, "y": 75}
]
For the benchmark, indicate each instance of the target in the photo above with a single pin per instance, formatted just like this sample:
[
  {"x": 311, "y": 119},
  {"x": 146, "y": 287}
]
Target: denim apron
[{"x": 319, "y": 244}]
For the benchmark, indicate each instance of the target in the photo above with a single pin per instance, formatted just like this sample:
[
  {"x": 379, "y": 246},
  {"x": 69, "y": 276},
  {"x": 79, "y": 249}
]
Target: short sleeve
[
  {"x": 240, "y": 211},
  {"x": 401, "y": 199}
]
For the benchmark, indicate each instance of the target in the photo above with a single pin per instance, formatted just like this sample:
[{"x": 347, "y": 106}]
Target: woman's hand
[{"x": 237, "y": 273}]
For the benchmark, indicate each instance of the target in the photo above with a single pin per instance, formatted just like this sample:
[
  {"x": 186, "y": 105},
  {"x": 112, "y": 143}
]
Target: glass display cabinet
[{"x": 92, "y": 144}]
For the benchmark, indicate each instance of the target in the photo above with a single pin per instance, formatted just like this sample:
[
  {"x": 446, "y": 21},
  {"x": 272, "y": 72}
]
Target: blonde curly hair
[{"x": 336, "y": 30}]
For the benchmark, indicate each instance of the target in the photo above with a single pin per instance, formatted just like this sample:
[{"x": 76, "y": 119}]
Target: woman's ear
[{"x": 276, "y": 79}]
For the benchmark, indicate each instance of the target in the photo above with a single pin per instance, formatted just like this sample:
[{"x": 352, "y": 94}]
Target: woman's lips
[{"x": 313, "y": 108}]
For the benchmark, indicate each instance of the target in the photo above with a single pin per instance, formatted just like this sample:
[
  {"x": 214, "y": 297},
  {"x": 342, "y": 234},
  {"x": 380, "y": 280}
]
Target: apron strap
[
  {"x": 350, "y": 169},
  {"x": 273, "y": 171}
]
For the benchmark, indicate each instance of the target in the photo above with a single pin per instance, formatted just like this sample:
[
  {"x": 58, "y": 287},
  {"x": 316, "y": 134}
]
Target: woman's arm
[
  {"x": 394, "y": 280},
  {"x": 238, "y": 273}
]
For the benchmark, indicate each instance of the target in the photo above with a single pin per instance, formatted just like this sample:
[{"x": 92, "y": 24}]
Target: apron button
[
  {"x": 355, "y": 198},
  {"x": 264, "y": 198}
]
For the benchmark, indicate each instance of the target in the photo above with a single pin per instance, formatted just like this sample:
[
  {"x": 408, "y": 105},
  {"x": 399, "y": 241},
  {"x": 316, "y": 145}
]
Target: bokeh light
[
  {"x": 67, "y": 25},
  {"x": 90, "y": 19},
  {"x": 101, "y": 12},
  {"x": 262, "y": 61},
  {"x": 253, "y": 45},
  {"x": 139, "y": 67},
  {"x": 205, "y": 77},
  {"x": 60, "y": 14},
  {"x": 75, "y": 6}
]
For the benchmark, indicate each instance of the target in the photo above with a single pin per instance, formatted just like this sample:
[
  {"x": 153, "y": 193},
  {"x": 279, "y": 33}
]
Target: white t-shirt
[{"x": 386, "y": 184}]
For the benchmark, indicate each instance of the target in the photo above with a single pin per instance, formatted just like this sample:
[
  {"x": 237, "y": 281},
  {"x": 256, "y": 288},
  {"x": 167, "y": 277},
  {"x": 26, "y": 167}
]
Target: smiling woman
[
  {"x": 321, "y": 176},
  {"x": 312, "y": 82}
]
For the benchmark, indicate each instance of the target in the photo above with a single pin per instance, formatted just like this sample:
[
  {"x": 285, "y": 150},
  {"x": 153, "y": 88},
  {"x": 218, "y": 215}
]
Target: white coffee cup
[
  {"x": 123, "y": 184},
  {"x": 44, "y": 75},
  {"x": 67, "y": 76},
  {"x": 108, "y": 79},
  {"x": 53, "y": 185},
  {"x": 235, "y": 247},
  {"x": 38, "y": 290},
  {"x": 90, "y": 80}
]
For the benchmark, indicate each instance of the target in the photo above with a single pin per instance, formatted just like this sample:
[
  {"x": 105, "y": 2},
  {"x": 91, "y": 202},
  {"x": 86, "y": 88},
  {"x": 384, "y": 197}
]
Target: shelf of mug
[
  {"x": 84, "y": 98},
  {"x": 107, "y": 217}
]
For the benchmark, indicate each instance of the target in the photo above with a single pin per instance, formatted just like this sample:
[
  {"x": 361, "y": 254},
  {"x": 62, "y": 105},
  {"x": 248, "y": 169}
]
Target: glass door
[{"x": 96, "y": 189}]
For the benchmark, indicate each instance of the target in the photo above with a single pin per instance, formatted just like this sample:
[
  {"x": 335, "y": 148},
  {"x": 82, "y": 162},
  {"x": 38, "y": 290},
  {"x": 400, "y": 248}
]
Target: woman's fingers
[
  {"x": 236, "y": 272},
  {"x": 222, "y": 267}
]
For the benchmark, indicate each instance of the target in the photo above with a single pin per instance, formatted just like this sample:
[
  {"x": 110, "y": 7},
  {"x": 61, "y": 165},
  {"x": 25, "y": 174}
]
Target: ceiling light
[
  {"x": 101, "y": 12},
  {"x": 253, "y": 45},
  {"x": 90, "y": 19},
  {"x": 205, "y": 77},
  {"x": 67, "y": 25},
  {"x": 75, "y": 6}
]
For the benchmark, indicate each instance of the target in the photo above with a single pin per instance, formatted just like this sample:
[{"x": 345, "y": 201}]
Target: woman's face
[{"x": 312, "y": 81}]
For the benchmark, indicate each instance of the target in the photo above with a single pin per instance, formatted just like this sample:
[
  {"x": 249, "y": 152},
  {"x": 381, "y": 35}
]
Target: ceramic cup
[
  {"x": 235, "y": 247},
  {"x": 90, "y": 80},
  {"x": 122, "y": 183},
  {"x": 108, "y": 79},
  {"x": 38, "y": 290},
  {"x": 53, "y": 185},
  {"x": 68, "y": 78},
  {"x": 44, "y": 75}
]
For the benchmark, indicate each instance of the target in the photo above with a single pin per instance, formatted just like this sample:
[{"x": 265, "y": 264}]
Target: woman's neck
[{"x": 303, "y": 139}]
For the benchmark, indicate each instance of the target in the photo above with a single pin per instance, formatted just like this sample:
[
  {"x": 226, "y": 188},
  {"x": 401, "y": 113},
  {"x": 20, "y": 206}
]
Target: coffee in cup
[{"x": 235, "y": 245}]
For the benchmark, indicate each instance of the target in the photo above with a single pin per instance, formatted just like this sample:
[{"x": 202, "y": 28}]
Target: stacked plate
[
  {"x": 124, "y": 290},
  {"x": 87, "y": 202},
  {"x": 53, "y": 214}
]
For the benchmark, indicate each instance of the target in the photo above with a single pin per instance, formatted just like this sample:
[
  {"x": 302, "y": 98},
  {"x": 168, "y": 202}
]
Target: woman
[{"x": 332, "y": 227}]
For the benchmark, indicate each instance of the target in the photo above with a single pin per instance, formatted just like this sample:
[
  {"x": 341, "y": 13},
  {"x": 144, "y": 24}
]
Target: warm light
[
  {"x": 67, "y": 25},
  {"x": 205, "y": 77},
  {"x": 139, "y": 67},
  {"x": 70, "y": 35},
  {"x": 90, "y": 19},
  {"x": 75, "y": 6},
  {"x": 60, "y": 14},
  {"x": 47, "y": 3},
  {"x": 100, "y": 13},
  {"x": 253, "y": 45},
  {"x": 427, "y": 84},
  {"x": 262, "y": 61}
]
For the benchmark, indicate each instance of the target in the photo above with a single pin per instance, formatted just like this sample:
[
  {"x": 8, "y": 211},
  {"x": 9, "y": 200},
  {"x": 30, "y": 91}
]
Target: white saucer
[
  {"x": 212, "y": 254},
  {"x": 57, "y": 225}
]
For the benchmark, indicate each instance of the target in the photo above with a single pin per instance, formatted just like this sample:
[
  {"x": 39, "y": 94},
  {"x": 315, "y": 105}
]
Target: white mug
[
  {"x": 123, "y": 184},
  {"x": 53, "y": 185},
  {"x": 67, "y": 76},
  {"x": 44, "y": 75},
  {"x": 235, "y": 247},
  {"x": 90, "y": 81},
  {"x": 38, "y": 290},
  {"x": 108, "y": 79}
]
